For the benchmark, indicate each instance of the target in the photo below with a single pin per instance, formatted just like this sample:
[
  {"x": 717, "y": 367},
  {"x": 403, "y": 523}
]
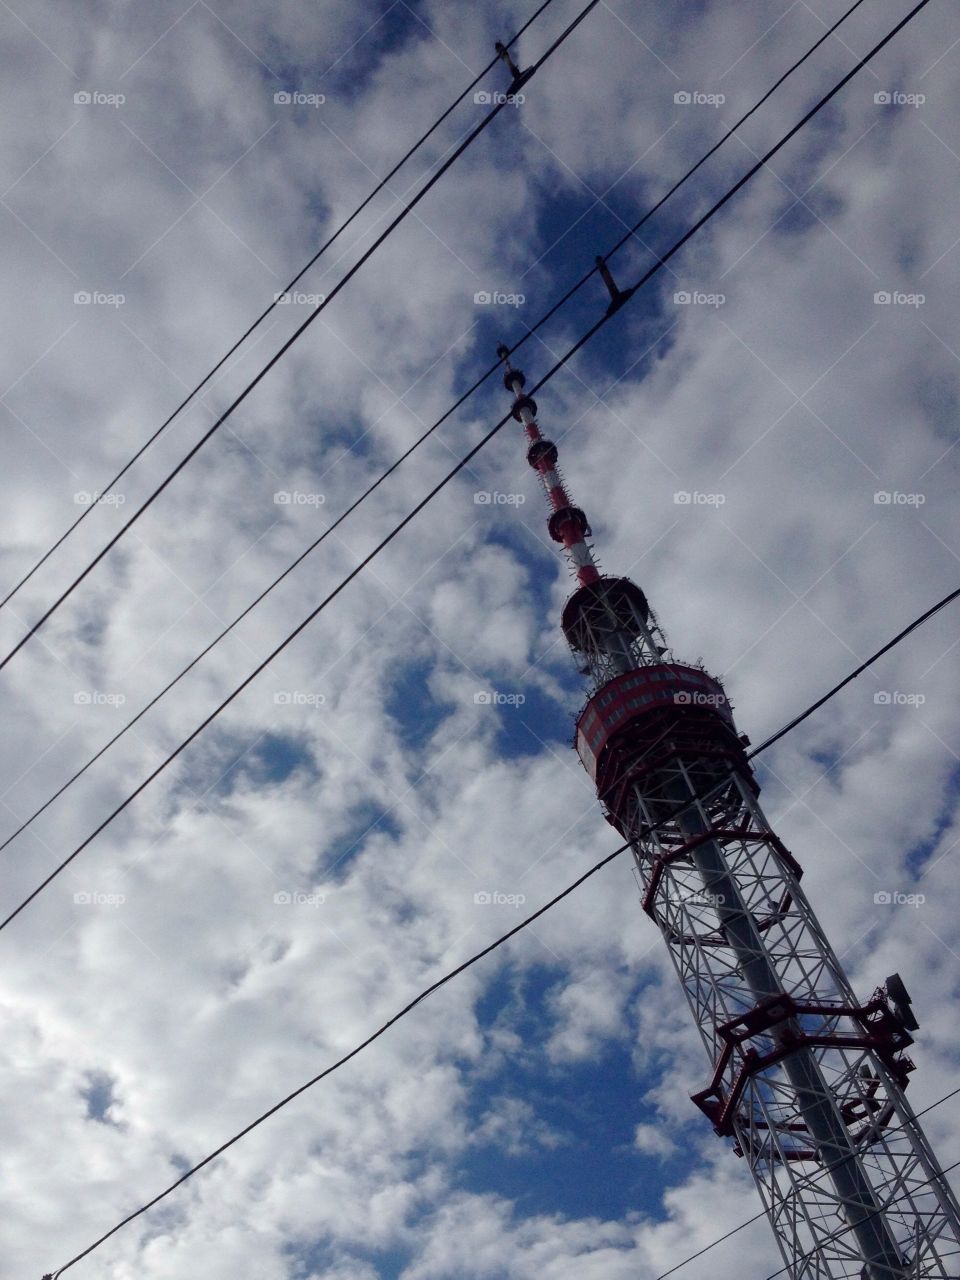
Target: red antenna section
[{"x": 567, "y": 524}]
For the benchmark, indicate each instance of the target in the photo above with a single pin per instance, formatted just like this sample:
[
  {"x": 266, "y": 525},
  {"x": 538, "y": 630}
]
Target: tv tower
[{"x": 806, "y": 1080}]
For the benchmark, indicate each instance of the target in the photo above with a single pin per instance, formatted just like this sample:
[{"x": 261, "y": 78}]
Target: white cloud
[
  {"x": 396, "y": 798},
  {"x": 652, "y": 1140}
]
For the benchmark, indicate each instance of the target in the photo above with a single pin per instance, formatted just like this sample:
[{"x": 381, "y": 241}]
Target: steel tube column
[{"x": 814, "y": 1098}]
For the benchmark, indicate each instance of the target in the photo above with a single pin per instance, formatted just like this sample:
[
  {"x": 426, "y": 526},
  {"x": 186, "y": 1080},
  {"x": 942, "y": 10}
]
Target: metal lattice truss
[
  {"x": 807, "y": 1081},
  {"x": 611, "y": 629}
]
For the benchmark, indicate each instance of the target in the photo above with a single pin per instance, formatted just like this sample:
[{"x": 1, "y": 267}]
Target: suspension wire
[
  {"x": 421, "y": 439},
  {"x": 106, "y": 488},
  {"x": 341, "y": 283},
  {"x": 917, "y": 622},
  {"x": 624, "y": 297},
  {"x": 647, "y": 830}
]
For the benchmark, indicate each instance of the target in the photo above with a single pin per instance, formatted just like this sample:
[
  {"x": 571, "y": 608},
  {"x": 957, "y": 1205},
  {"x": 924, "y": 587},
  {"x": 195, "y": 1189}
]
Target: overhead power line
[
  {"x": 341, "y": 283},
  {"x": 901, "y": 635},
  {"x": 623, "y": 298},
  {"x": 384, "y": 475},
  {"x": 106, "y": 488},
  {"x": 648, "y": 830}
]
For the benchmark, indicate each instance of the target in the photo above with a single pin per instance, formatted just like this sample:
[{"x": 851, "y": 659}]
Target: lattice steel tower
[{"x": 807, "y": 1081}]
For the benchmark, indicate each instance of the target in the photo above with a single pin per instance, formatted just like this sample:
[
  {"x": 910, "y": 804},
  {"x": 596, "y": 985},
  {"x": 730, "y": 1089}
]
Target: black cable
[
  {"x": 346, "y": 1058},
  {"x": 417, "y": 443},
  {"x": 384, "y": 542},
  {"x": 263, "y": 315},
  {"x": 341, "y": 283},
  {"x": 561, "y": 302},
  {"x": 453, "y": 973},
  {"x": 423, "y": 995},
  {"x": 917, "y": 622}
]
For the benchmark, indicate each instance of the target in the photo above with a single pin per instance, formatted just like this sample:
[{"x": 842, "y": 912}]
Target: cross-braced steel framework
[{"x": 806, "y": 1080}]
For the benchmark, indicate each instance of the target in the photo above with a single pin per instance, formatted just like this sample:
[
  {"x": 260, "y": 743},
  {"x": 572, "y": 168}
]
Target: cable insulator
[
  {"x": 617, "y": 296},
  {"x": 518, "y": 77}
]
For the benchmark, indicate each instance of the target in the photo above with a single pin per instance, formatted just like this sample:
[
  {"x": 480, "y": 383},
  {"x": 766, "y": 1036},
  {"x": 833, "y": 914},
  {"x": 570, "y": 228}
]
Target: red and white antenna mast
[
  {"x": 607, "y": 620},
  {"x": 806, "y": 1080}
]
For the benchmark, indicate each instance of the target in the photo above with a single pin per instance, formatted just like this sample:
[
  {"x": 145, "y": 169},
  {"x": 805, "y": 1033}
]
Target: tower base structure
[{"x": 807, "y": 1080}]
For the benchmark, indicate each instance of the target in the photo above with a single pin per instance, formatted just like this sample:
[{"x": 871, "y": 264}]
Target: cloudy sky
[{"x": 314, "y": 859}]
